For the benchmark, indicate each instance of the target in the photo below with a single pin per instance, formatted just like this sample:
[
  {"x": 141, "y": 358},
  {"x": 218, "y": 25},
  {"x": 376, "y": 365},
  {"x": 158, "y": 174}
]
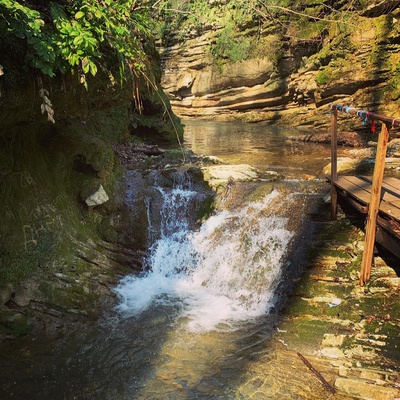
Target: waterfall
[{"x": 223, "y": 273}]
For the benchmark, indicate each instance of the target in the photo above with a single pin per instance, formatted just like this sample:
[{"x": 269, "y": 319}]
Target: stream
[{"x": 198, "y": 322}]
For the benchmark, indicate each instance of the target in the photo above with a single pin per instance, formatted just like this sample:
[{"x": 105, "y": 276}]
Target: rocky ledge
[{"x": 348, "y": 333}]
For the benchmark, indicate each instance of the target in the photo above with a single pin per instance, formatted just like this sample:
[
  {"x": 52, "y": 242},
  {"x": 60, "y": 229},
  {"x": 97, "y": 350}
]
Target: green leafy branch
[{"x": 79, "y": 36}]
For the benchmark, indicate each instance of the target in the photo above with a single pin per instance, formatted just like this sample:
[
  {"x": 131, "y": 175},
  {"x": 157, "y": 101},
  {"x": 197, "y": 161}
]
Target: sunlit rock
[
  {"x": 345, "y": 164},
  {"x": 331, "y": 340},
  {"x": 365, "y": 390},
  {"x": 332, "y": 352},
  {"x": 217, "y": 174}
]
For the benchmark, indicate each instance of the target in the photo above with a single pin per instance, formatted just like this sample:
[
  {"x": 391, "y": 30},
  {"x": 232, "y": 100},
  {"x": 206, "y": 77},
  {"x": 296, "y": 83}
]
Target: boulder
[
  {"x": 6, "y": 291},
  {"x": 98, "y": 197},
  {"x": 220, "y": 174},
  {"x": 345, "y": 165}
]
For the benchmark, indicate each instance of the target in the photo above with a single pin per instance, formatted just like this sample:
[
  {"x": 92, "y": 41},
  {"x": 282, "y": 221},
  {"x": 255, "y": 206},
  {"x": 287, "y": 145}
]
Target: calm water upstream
[
  {"x": 198, "y": 323},
  {"x": 264, "y": 147}
]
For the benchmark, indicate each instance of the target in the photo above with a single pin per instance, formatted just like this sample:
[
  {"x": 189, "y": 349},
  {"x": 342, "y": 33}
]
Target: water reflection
[{"x": 262, "y": 146}]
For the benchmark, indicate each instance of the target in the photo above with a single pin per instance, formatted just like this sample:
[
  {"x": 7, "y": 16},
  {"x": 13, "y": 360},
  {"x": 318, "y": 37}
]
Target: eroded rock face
[
  {"x": 353, "y": 66},
  {"x": 64, "y": 221},
  {"x": 203, "y": 88}
]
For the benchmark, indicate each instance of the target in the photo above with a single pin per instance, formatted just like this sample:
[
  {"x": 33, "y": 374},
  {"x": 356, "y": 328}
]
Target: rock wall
[
  {"x": 351, "y": 63},
  {"x": 59, "y": 252}
]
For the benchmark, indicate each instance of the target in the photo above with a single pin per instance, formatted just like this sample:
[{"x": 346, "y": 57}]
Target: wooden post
[
  {"x": 370, "y": 230},
  {"x": 334, "y": 201}
]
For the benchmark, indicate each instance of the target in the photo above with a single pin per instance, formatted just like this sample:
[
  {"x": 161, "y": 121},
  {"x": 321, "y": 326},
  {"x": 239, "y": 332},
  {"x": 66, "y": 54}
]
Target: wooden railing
[{"x": 373, "y": 209}]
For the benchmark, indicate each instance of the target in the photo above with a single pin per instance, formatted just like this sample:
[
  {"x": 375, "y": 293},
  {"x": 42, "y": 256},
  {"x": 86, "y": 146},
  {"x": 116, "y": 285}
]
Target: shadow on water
[
  {"x": 154, "y": 356},
  {"x": 106, "y": 361}
]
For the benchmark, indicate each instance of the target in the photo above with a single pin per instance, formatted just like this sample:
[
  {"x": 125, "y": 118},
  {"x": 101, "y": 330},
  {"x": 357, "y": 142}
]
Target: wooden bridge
[{"x": 376, "y": 197}]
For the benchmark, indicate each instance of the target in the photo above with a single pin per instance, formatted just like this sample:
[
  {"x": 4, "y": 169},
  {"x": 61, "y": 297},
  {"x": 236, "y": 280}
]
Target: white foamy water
[{"x": 224, "y": 273}]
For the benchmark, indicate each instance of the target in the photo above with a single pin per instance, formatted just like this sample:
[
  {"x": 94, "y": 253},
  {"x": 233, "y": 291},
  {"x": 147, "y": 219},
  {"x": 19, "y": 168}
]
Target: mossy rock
[{"x": 13, "y": 324}]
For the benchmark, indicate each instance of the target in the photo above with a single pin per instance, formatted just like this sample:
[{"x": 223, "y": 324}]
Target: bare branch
[{"x": 290, "y": 11}]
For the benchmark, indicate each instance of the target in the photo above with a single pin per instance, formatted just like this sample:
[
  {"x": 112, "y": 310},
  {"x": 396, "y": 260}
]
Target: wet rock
[
  {"x": 241, "y": 172},
  {"x": 14, "y": 323},
  {"x": 25, "y": 292},
  {"x": 219, "y": 174},
  {"x": 213, "y": 160},
  {"x": 356, "y": 338},
  {"x": 6, "y": 291},
  {"x": 350, "y": 139},
  {"x": 63, "y": 277},
  {"x": 365, "y": 390},
  {"x": 346, "y": 164}
]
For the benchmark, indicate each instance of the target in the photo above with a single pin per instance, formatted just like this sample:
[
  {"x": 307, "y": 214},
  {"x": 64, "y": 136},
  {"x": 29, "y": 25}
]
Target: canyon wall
[{"x": 355, "y": 63}]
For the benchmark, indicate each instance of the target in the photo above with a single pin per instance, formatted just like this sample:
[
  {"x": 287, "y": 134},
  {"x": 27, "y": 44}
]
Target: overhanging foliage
[{"x": 78, "y": 36}]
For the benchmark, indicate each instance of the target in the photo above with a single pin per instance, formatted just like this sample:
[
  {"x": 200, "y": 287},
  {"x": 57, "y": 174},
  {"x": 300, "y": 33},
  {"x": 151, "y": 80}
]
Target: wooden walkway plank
[
  {"x": 352, "y": 186},
  {"x": 360, "y": 189},
  {"x": 392, "y": 184}
]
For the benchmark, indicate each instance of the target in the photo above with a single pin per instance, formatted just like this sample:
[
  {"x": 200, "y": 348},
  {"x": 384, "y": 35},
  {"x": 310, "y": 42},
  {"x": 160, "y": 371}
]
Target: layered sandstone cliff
[{"x": 355, "y": 62}]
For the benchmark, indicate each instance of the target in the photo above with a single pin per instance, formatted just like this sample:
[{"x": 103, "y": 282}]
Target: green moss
[
  {"x": 107, "y": 231},
  {"x": 306, "y": 332},
  {"x": 175, "y": 155},
  {"x": 299, "y": 307},
  {"x": 233, "y": 44},
  {"x": 388, "y": 331},
  {"x": 41, "y": 191},
  {"x": 310, "y": 31},
  {"x": 323, "y": 76},
  {"x": 14, "y": 324},
  {"x": 206, "y": 208},
  {"x": 384, "y": 26},
  {"x": 259, "y": 191},
  {"x": 69, "y": 292},
  {"x": 391, "y": 91}
]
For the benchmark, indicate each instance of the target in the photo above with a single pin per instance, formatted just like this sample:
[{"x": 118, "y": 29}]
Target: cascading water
[{"x": 223, "y": 273}]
